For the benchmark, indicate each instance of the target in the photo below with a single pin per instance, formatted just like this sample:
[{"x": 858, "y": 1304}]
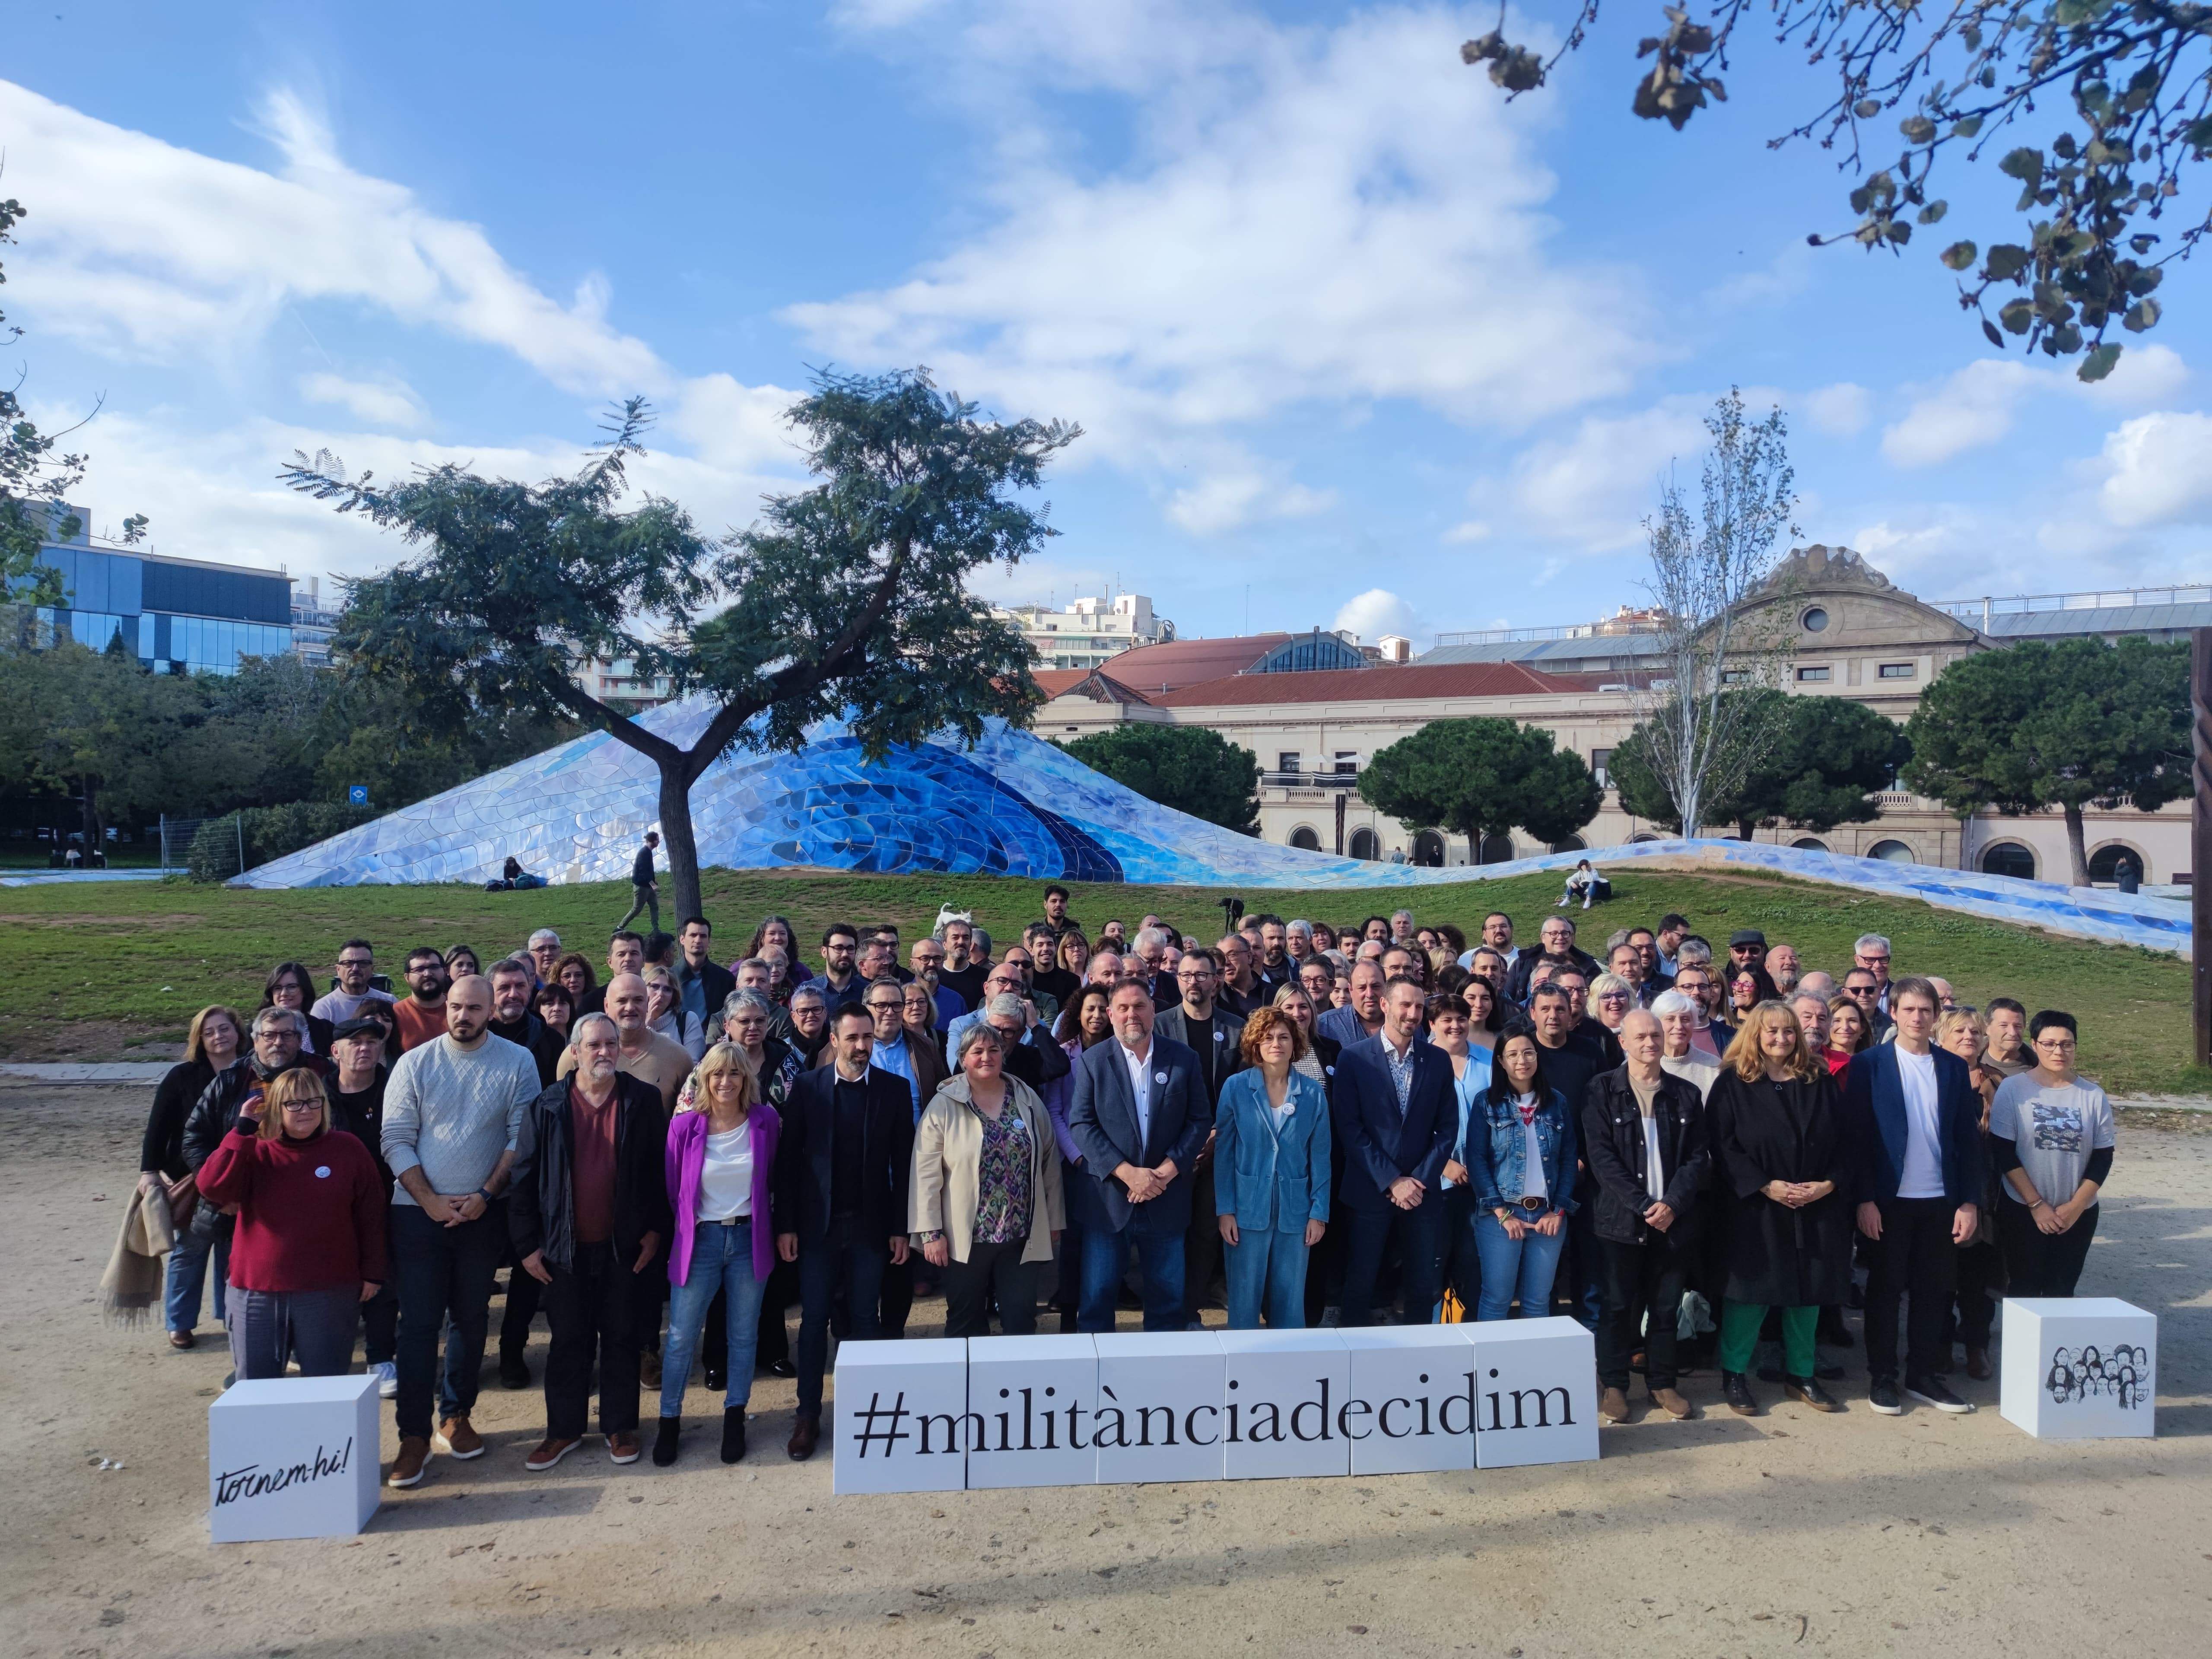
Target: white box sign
[
  {"x": 1412, "y": 1405},
  {"x": 1053, "y": 1410},
  {"x": 1283, "y": 1393},
  {"x": 900, "y": 1420},
  {"x": 1535, "y": 1393},
  {"x": 2079, "y": 1368},
  {"x": 293, "y": 1457}
]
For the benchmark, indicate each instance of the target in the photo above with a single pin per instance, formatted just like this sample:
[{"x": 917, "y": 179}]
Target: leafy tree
[
  {"x": 1188, "y": 767},
  {"x": 2080, "y": 723},
  {"x": 2127, "y": 88},
  {"x": 1828, "y": 758},
  {"x": 848, "y": 600},
  {"x": 1482, "y": 777},
  {"x": 96, "y": 726},
  {"x": 1707, "y": 564}
]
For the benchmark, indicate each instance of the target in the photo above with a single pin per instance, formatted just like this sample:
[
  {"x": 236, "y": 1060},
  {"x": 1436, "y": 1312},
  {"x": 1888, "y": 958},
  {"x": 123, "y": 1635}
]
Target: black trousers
[
  {"x": 593, "y": 1307},
  {"x": 1419, "y": 1233},
  {"x": 1981, "y": 1281},
  {"x": 524, "y": 1297},
  {"x": 1632, "y": 1280},
  {"x": 1913, "y": 1257},
  {"x": 895, "y": 1300},
  {"x": 1201, "y": 1244},
  {"x": 780, "y": 1291},
  {"x": 969, "y": 1285},
  {"x": 840, "y": 1259},
  {"x": 2040, "y": 1263}
]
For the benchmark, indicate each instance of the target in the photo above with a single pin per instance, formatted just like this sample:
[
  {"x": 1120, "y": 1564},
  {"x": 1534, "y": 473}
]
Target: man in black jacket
[
  {"x": 511, "y": 1018},
  {"x": 1558, "y": 936},
  {"x": 1644, "y": 1135},
  {"x": 588, "y": 1213},
  {"x": 704, "y": 984},
  {"x": 841, "y": 1171},
  {"x": 1216, "y": 1036}
]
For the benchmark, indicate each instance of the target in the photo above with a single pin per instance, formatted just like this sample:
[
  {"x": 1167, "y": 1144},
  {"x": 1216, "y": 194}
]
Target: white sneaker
[{"x": 387, "y": 1378}]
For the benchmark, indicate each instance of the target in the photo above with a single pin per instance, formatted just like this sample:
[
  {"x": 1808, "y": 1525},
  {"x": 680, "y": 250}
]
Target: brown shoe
[
  {"x": 181, "y": 1339},
  {"x": 1978, "y": 1364},
  {"x": 648, "y": 1368},
  {"x": 805, "y": 1435},
  {"x": 1671, "y": 1402},
  {"x": 407, "y": 1468},
  {"x": 622, "y": 1447},
  {"x": 457, "y": 1438},
  {"x": 1613, "y": 1406},
  {"x": 1808, "y": 1391},
  {"x": 549, "y": 1451}
]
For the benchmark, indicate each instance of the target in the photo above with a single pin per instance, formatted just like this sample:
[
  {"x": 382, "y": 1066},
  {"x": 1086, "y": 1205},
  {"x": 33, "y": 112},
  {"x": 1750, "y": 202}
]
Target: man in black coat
[
  {"x": 1139, "y": 1111},
  {"x": 842, "y": 1172},
  {"x": 705, "y": 983},
  {"x": 1216, "y": 1036},
  {"x": 1395, "y": 1111},
  {"x": 1560, "y": 949},
  {"x": 587, "y": 1212},
  {"x": 1644, "y": 1136}
]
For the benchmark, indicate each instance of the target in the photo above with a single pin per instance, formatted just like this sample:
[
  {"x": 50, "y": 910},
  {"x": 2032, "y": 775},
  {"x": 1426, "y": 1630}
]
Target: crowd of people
[{"x": 1706, "y": 1156}]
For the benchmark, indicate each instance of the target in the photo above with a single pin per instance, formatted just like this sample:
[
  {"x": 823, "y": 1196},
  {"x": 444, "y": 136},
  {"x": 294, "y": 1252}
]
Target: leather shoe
[
  {"x": 182, "y": 1339},
  {"x": 1737, "y": 1392},
  {"x": 664, "y": 1443},
  {"x": 1978, "y": 1364},
  {"x": 621, "y": 1446},
  {"x": 1613, "y": 1406},
  {"x": 1670, "y": 1402},
  {"x": 805, "y": 1435},
  {"x": 733, "y": 1434},
  {"x": 413, "y": 1457},
  {"x": 550, "y": 1450},
  {"x": 1808, "y": 1391},
  {"x": 782, "y": 1368},
  {"x": 458, "y": 1437},
  {"x": 718, "y": 1378},
  {"x": 648, "y": 1368}
]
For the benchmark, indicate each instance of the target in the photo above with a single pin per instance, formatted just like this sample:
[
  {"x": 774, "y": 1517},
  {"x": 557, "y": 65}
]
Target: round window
[{"x": 1815, "y": 620}]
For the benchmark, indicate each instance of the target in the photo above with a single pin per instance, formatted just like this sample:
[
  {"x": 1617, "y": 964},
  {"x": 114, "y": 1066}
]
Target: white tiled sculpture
[
  {"x": 1282, "y": 1393},
  {"x": 1535, "y": 1393},
  {"x": 2079, "y": 1368},
  {"x": 1033, "y": 1400},
  {"x": 293, "y": 1457},
  {"x": 1160, "y": 1414},
  {"x": 1413, "y": 1397},
  {"x": 900, "y": 1420}
]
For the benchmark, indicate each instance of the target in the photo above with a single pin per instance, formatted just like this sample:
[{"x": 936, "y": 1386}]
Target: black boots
[
  {"x": 664, "y": 1444},
  {"x": 733, "y": 1434},
  {"x": 1738, "y": 1393}
]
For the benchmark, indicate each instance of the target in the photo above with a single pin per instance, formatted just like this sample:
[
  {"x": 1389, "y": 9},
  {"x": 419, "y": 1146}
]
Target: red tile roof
[
  {"x": 1151, "y": 669},
  {"x": 1055, "y": 682},
  {"x": 1380, "y": 684}
]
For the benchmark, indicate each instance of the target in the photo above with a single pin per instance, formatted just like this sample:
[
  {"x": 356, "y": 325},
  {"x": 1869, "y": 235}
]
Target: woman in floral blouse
[{"x": 986, "y": 1194}]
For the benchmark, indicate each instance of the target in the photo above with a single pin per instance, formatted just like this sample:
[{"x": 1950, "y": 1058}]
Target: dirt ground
[{"x": 1788, "y": 1534}]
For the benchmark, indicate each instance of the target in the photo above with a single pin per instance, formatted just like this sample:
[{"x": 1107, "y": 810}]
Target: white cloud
[
  {"x": 1466, "y": 534},
  {"x": 381, "y": 403},
  {"x": 1841, "y": 411},
  {"x": 1375, "y": 613},
  {"x": 1596, "y": 485},
  {"x": 1313, "y": 214},
  {"x": 2158, "y": 471},
  {"x": 1978, "y": 405},
  {"x": 1230, "y": 499}
]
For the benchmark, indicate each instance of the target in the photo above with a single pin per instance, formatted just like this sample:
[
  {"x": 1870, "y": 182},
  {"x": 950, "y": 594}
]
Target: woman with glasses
[
  {"x": 1520, "y": 1162},
  {"x": 2052, "y": 1134},
  {"x": 1610, "y": 998},
  {"x": 308, "y": 1248},
  {"x": 664, "y": 1013}
]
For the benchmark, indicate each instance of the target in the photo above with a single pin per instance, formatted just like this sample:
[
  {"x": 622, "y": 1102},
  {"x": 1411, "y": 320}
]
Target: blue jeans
[
  {"x": 1105, "y": 1257},
  {"x": 1267, "y": 1269},
  {"x": 721, "y": 1260},
  {"x": 1520, "y": 1267},
  {"x": 188, "y": 1267}
]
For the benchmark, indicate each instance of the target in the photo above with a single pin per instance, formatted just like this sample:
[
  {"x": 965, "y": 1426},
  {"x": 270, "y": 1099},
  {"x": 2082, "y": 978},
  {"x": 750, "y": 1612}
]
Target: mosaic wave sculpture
[{"x": 1012, "y": 805}]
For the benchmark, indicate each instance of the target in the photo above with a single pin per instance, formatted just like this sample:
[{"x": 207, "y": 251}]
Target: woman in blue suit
[
  {"x": 1521, "y": 1162},
  {"x": 1270, "y": 1174}
]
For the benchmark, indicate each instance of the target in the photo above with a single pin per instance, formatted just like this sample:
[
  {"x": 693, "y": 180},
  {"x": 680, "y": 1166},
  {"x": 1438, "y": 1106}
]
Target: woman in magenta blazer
[{"x": 721, "y": 1152}]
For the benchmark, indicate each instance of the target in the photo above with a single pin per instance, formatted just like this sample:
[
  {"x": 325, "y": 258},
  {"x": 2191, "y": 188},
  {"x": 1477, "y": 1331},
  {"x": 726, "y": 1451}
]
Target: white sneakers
[{"x": 387, "y": 1378}]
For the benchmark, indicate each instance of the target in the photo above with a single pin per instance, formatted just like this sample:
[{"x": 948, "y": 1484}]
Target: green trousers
[{"x": 1740, "y": 1323}]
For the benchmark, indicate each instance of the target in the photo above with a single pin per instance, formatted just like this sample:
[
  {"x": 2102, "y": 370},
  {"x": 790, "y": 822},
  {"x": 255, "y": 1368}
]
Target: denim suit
[{"x": 1272, "y": 1187}]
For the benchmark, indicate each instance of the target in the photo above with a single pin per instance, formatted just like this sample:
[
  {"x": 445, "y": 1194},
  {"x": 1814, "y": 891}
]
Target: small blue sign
[{"x": 357, "y": 794}]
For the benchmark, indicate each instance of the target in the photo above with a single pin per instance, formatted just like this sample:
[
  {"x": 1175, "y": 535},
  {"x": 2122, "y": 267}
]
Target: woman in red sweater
[{"x": 309, "y": 1246}]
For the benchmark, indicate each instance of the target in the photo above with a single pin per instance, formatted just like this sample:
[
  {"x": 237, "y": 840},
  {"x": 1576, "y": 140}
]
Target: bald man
[{"x": 644, "y": 1053}]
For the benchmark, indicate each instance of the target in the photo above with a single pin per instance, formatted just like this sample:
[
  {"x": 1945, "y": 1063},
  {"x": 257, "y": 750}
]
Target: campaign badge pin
[
  {"x": 1159, "y": 1077},
  {"x": 322, "y": 1172}
]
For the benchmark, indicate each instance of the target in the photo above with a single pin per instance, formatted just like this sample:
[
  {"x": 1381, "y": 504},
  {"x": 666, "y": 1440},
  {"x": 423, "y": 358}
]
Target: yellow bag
[{"x": 1455, "y": 1310}]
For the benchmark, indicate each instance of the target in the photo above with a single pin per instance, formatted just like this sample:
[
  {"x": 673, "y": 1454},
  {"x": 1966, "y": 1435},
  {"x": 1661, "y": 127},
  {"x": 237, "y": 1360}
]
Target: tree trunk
[
  {"x": 2077, "y": 846},
  {"x": 677, "y": 840},
  {"x": 91, "y": 819},
  {"x": 1474, "y": 847}
]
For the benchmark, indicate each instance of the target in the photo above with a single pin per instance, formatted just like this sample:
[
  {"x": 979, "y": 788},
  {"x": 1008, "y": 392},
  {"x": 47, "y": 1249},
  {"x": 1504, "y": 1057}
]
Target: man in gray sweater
[{"x": 453, "y": 1110}]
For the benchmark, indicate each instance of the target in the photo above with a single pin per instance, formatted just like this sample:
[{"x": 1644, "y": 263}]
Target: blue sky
[{"x": 1354, "y": 342}]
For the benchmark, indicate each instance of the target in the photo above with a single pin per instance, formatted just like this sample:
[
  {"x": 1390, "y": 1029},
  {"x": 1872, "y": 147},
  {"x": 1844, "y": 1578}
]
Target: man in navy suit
[
  {"x": 1916, "y": 1123},
  {"x": 1396, "y": 1115},
  {"x": 1140, "y": 1115}
]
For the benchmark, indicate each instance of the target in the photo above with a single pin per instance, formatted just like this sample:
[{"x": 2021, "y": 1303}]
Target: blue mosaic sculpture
[{"x": 1012, "y": 805}]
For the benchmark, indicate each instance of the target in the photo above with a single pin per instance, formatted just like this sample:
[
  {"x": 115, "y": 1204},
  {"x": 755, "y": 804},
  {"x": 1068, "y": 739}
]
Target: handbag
[
  {"x": 1454, "y": 1310},
  {"x": 184, "y": 1196}
]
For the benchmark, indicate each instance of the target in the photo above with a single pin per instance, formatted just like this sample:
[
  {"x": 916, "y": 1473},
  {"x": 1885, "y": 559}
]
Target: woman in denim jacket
[{"x": 1522, "y": 1203}]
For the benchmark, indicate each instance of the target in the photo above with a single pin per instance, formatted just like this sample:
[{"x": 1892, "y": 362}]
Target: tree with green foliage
[
  {"x": 1482, "y": 777},
  {"x": 1827, "y": 759},
  {"x": 848, "y": 600},
  {"x": 95, "y": 725},
  {"x": 2127, "y": 88},
  {"x": 2080, "y": 723},
  {"x": 1188, "y": 767}
]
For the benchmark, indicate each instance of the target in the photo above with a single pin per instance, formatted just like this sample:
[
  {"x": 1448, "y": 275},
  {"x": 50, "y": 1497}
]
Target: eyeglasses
[
  {"x": 1615, "y": 996},
  {"x": 2054, "y": 1042}
]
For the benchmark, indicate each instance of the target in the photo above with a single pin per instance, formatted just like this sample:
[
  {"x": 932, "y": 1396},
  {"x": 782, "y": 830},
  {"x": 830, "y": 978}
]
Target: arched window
[
  {"x": 1810, "y": 844},
  {"x": 1305, "y": 836},
  {"x": 1645, "y": 835},
  {"x": 1892, "y": 852},
  {"x": 1497, "y": 850},
  {"x": 2105, "y": 864},
  {"x": 1428, "y": 849},
  {"x": 1572, "y": 844},
  {"x": 2009, "y": 858},
  {"x": 1365, "y": 845}
]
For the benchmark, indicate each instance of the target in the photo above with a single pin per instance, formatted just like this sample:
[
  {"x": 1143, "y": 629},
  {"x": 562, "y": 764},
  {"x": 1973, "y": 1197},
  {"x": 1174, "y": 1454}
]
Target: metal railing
[
  {"x": 2114, "y": 598},
  {"x": 1310, "y": 779},
  {"x": 1611, "y": 629}
]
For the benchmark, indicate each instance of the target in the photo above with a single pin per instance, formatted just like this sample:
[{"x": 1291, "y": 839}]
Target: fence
[{"x": 226, "y": 844}]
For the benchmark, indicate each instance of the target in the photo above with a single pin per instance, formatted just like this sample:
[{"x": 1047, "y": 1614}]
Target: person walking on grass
[{"x": 644, "y": 885}]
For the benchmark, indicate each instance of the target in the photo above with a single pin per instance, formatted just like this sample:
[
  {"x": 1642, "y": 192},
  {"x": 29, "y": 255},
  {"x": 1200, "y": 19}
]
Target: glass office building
[{"x": 176, "y": 615}]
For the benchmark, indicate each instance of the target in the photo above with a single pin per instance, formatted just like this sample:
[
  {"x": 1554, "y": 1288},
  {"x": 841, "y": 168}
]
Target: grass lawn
[{"x": 100, "y": 971}]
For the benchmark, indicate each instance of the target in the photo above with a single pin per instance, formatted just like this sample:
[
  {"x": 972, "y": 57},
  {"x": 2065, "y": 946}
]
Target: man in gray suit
[
  {"x": 1140, "y": 1115},
  {"x": 1216, "y": 1036}
]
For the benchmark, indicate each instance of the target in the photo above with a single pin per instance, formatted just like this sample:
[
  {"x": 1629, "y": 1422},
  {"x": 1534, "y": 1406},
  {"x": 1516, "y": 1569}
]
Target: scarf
[{"x": 132, "y": 1284}]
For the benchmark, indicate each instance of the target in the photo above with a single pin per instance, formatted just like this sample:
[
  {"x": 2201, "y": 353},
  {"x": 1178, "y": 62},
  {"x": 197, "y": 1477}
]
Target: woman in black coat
[{"x": 1778, "y": 1141}]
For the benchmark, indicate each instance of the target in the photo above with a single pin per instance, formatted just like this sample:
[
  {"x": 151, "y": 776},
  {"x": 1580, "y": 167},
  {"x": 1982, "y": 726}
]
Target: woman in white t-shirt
[{"x": 2050, "y": 1136}]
